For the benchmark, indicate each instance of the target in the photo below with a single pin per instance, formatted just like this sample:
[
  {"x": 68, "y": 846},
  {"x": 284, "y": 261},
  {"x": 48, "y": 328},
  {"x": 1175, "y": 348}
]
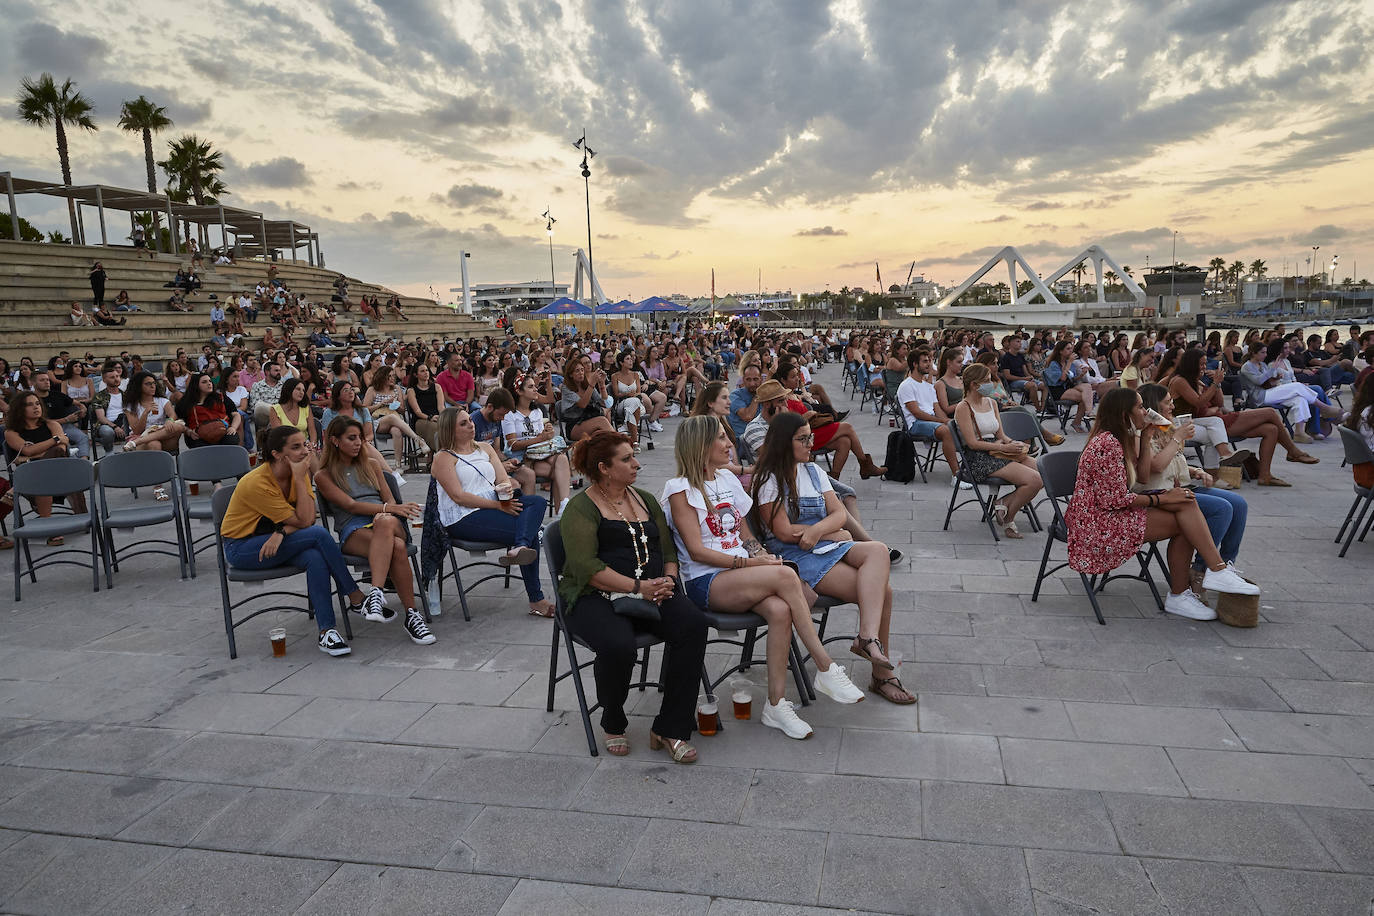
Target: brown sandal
[
  {"x": 680, "y": 751},
  {"x": 891, "y": 683},
  {"x": 6, "y": 543},
  {"x": 860, "y": 648},
  {"x": 1303, "y": 458}
]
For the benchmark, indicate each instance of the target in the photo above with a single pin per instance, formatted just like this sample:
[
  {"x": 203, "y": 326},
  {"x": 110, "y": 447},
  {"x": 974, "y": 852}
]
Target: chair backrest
[
  {"x": 893, "y": 380},
  {"x": 1357, "y": 451},
  {"x": 213, "y": 462},
  {"x": 553, "y": 546},
  {"x": 1059, "y": 473},
  {"x": 52, "y": 477},
  {"x": 219, "y": 503},
  {"x": 1020, "y": 424},
  {"x": 135, "y": 469}
]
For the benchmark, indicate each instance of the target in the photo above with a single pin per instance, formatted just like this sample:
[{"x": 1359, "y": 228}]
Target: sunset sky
[{"x": 806, "y": 140}]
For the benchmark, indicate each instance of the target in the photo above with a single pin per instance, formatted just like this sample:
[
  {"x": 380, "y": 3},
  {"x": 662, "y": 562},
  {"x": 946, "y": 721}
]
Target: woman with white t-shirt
[
  {"x": 724, "y": 568},
  {"x": 797, "y": 509},
  {"x": 525, "y": 431},
  {"x": 151, "y": 418}
]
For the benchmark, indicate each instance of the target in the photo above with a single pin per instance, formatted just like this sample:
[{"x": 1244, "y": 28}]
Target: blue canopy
[
  {"x": 659, "y": 304},
  {"x": 623, "y": 307},
  {"x": 564, "y": 306}
]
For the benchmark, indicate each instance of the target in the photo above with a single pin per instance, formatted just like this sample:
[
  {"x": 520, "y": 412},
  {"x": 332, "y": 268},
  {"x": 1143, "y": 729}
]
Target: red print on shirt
[{"x": 724, "y": 523}]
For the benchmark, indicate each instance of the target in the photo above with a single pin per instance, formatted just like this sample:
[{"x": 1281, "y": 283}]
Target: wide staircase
[{"x": 38, "y": 282}]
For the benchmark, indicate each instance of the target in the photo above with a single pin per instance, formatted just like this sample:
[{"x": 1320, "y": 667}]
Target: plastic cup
[
  {"x": 707, "y": 713},
  {"x": 253, "y": 459},
  {"x": 195, "y": 489},
  {"x": 278, "y": 637},
  {"x": 741, "y": 695}
]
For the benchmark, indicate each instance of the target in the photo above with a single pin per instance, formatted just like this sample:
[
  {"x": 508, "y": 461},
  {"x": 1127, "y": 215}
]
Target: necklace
[{"x": 638, "y": 533}]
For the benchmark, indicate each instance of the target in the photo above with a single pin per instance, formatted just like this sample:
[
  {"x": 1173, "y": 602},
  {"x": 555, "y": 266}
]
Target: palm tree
[
  {"x": 1258, "y": 268},
  {"x": 192, "y": 168},
  {"x": 1217, "y": 265},
  {"x": 142, "y": 116},
  {"x": 43, "y": 102},
  {"x": 1111, "y": 278},
  {"x": 1237, "y": 268}
]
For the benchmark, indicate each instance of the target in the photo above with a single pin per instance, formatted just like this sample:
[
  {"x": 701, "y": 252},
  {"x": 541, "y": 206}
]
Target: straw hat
[{"x": 770, "y": 390}]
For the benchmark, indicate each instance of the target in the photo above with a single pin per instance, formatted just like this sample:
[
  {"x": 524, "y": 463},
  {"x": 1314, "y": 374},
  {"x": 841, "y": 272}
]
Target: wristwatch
[{"x": 280, "y": 528}]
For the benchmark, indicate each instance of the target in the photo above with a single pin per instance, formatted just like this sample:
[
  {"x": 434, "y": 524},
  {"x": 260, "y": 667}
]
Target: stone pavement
[{"x": 1154, "y": 765}]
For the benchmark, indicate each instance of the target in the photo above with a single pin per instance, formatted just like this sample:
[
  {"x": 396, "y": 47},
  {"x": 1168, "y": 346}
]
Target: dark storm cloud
[{"x": 40, "y": 46}]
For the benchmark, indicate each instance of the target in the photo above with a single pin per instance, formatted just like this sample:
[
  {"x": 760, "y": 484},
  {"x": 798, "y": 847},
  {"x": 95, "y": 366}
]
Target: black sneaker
[
  {"x": 374, "y": 607},
  {"x": 893, "y": 555},
  {"x": 418, "y": 629},
  {"x": 331, "y": 643}
]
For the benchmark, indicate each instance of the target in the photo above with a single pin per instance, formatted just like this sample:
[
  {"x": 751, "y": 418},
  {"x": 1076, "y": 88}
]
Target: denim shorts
[
  {"x": 699, "y": 588},
  {"x": 1019, "y": 384},
  {"x": 924, "y": 428}
]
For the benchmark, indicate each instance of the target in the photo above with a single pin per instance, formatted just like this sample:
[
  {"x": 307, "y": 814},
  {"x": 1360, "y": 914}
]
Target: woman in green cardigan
[{"x": 617, "y": 543}]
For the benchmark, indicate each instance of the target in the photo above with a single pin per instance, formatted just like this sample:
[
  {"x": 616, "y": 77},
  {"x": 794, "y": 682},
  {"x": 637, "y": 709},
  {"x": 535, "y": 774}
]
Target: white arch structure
[
  {"x": 1094, "y": 254},
  {"x": 584, "y": 268}
]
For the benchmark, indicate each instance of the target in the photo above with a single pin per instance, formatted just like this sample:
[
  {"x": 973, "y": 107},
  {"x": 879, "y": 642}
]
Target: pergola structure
[{"x": 252, "y": 233}]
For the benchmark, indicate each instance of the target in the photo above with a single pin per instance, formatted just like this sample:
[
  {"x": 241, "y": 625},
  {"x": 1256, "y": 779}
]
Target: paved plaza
[{"x": 1052, "y": 766}]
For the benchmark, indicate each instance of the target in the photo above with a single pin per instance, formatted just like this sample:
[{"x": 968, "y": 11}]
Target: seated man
[
  {"x": 921, "y": 409},
  {"x": 840, "y": 437},
  {"x": 1015, "y": 374}
]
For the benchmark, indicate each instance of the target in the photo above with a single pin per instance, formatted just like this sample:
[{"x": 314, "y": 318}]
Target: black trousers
[{"x": 612, "y": 637}]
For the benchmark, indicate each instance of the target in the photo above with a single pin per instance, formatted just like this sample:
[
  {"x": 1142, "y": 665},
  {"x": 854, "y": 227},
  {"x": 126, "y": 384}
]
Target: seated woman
[
  {"x": 1270, "y": 385},
  {"x": 583, "y": 406},
  {"x": 292, "y": 410},
  {"x": 476, "y": 502},
  {"x": 724, "y": 568},
  {"x": 31, "y": 436},
  {"x": 840, "y": 436},
  {"x": 618, "y": 542},
  {"x": 1361, "y": 420},
  {"x": 990, "y": 453},
  {"x": 804, "y": 521},
  {"x": 210, "y": 420},
  {"x": 270, "y": 522},
  {"x": 1325, "y": 414},
  {"x": 1139, "y": 370},
  {"x": 151, "y": 418},
  {"x": 1201, "y": 397},
  {"x": 385, "y": 399},
  {"x": 1066, "y": 384},
  {"x": 369, "y": 524},
  {"x": 1224, "y": 511},
  {"x": 1108, "y": 523},
  {"x": 1002, "y": 397},
  {"x": 714, "y": 401},
  {"x": 343, "y": 402},
  {"x": 536, "y": 443},
  {"x": 1089, "y": 371},
  {"x": 632, "y": 399},
  {"x": 426, "y": 401}
]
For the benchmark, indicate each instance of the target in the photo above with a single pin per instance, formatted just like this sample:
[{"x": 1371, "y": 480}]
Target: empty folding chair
[{"x": 142, "y": 469}]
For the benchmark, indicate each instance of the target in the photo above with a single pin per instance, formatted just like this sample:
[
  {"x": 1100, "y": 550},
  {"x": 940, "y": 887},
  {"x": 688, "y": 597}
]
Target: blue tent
[
  {"x": 658, "y": 304},
  {"x": 623, "y": 307},
  {"x": 564, "y": 306}
]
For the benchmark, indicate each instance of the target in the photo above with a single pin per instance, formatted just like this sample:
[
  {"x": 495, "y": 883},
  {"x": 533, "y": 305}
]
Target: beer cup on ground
[
  {"x": 707, "y": 711},
  {"x": 741, "y": 694},
  {"x": 278, "y": 637}
]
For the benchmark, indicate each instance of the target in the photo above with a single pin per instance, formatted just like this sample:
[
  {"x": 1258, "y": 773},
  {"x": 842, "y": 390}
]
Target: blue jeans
[
  {"x": 521, "y": 530},
  {"x": 310, "y": 548},
  {"x": 1225, "y": 512}
]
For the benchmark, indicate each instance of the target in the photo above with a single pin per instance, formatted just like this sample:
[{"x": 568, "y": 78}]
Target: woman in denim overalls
[{"x": 808, "y": 530}]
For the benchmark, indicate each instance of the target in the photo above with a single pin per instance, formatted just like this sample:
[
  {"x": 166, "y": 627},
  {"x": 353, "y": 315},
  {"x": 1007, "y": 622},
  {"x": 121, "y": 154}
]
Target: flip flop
[{"x": 522, "y": 556}]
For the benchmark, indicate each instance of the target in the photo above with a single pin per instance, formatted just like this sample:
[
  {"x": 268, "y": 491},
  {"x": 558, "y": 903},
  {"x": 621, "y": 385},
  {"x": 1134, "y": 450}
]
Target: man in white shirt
[{"x": 921, "y": 408}]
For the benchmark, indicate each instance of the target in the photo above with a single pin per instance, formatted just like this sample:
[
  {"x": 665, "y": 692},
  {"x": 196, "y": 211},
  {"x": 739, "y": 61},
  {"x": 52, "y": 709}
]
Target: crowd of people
[{"x": 757, "y": 516}]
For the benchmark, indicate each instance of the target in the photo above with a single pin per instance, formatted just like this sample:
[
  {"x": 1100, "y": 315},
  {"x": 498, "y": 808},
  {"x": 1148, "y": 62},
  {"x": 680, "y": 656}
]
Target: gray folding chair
[
  {"x": 986, "y": 502},
  {"x": 479, "y": 550},
  {"x": 56, "y": 477},
  {"x": 361, "y": 564},
  {"x": 208, "y": 464},
  {"x": 219, "y": 505},
  {"x": 1357, "y": 451},
  {"x": 118, "y": 470}
]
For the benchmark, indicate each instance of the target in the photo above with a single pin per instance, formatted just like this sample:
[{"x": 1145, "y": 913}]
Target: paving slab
[
  {"x": 870, "y": 752},
  {"x": 1175, "y": 726},
  {"x": 1014, "y": 816},
  {"x": 555, "y": 845},
  {"x": 1304, "y": 733},
  {"x": 1156, "y": 689},
  {"x": 104, "y": 749},
  {"x": 364, "y": 890},
  {"x": 1073, "y": 882},
  {"x": 1055, "y": 683},
  {"x": 1280, "y": 778},
  {"x": 500, "y": 778},
  {"x": 496, "y": 728},
  {"x": 1201, "y": 887},
  {"x": 245, "y": 713},
  {"x": 1021, "y": 717},
  {"x": 84, "y": 804},
  {"x": 1087, "y": 765},
  {"x": 733, "y": 861},
  {"x": 1279, "y": 891},
  {"x": 176, "y": 821},
  {"x": 196, "y": 880},
  {"x": 366, "y": 720},
  {"x": 82, "y": 874},
  {"x": 479, "y": 688},
  {"x": 1348, "y": 834},
  {"x": 1330, "y": 697},
  {"x": 236, "y": 759},
  {"x": 802, "y": 801},
  {"x": 362, "y": 768},
  {"x": 384, "y": 831},
  {"x": 920, "y": 876},
  {"x": 556, "y": 898},
  {"x": 665, "y": 789}
]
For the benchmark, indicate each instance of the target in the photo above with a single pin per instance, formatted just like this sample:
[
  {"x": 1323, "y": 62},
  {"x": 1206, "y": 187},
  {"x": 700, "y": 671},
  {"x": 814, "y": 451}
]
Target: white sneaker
[
  {"x": 961, "y": 484},
  {"x": 400, "y": 481},
  {"x": 1187, "y": 604},
  {"x": 656, "y": 426},
  {"x": 834, "y": 683},
  {"x": 563, "y": 505},
  {"x": 1226, "y": 580},
  {"x": 784, "y": 718}
]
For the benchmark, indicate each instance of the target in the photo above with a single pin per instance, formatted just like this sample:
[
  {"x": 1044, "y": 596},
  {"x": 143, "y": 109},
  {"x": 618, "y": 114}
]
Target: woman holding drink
[
  {"x": 618, "y": 545},
  {"x": 476, "y": 502},
  {"x": 726, "y": 569}
]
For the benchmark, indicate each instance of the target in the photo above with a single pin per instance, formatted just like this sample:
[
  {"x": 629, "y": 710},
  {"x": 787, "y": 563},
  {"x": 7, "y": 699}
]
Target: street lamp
[
  {"x": 553, "y": 281},
  {"x": 588, "y": 154}
]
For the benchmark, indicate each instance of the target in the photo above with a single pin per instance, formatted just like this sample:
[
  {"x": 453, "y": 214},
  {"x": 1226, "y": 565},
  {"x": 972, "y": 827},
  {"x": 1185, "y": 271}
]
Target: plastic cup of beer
[
  {"x": 707, "y": 711},
  {"x": 278, "y": 637},
  {"x": 195, "y": 489},
  {"x": 505, "y": 492},
  {"x": 741, "y": 694},
  {"x": 253, "y": 459}
]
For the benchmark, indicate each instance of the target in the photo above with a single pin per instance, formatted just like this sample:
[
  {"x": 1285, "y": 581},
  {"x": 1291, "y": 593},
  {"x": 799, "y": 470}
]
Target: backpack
[{"x": 901, "y": 457}]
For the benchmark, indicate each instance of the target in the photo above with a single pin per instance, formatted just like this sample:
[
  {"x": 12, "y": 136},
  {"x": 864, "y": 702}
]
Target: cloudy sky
[{"x": 802, "y": 139}]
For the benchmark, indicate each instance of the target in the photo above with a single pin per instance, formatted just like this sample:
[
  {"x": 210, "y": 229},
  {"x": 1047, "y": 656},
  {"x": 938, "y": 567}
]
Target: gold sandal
[
  {"x": 617, "y": 745},
  {"x": 680, "y": 751}
]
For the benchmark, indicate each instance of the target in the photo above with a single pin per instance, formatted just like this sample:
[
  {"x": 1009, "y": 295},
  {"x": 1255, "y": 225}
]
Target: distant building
[
  {"x": 1175, "y": 292},
  {"x": 505, "y": 297}
]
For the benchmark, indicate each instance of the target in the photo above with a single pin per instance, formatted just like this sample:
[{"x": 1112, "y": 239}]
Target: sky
[{"x": 786, "y": 144}]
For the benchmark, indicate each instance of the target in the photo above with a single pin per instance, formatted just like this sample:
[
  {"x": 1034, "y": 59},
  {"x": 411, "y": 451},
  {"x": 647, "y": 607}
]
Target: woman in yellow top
[
  {"x": 270, "y": 522},
  {"x": 1137, "y": 371},
  {"x": 292, "y": 411}
]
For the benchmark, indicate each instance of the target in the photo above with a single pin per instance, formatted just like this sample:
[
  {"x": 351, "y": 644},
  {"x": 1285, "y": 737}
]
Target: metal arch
[
  {"x": 1098, "y": 256},
  {"x": 1012, "y": 258}
]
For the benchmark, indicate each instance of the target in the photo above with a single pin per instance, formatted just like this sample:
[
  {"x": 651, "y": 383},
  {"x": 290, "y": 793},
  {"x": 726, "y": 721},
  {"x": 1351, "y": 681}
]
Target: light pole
[
  {"x": 588, "y": 154},
  {"x": 553, "y": 281},
  {"x": 1173, "y": 270}
]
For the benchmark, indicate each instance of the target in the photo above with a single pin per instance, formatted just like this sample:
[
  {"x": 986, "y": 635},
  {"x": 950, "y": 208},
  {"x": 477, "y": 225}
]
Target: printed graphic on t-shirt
[{"x": 724, "y": 522}]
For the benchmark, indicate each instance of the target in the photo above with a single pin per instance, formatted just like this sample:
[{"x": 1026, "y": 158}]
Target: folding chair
[
  {"x": 823, "y": 604},
  {"x": 749, "y": 627},
  {"x": 142, "y": 469},
  {"x": 219, "y": 505},
  {"x": 1357, "y": 451},
  {"x": 887, "y": 404},
  {"x": 361, "y": 564},
  {"x": 555, "y": 555},
  {"x": 985, "y": 503},
  {"x": 56, "y": 477},
  {"x": 208, "y": 464},
  {"x": 1059, "y": 472},
  {"x": 478, "y": 549}
]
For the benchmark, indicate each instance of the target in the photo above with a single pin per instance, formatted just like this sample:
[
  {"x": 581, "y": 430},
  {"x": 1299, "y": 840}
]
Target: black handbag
[{"x": 636, "y": 608}]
